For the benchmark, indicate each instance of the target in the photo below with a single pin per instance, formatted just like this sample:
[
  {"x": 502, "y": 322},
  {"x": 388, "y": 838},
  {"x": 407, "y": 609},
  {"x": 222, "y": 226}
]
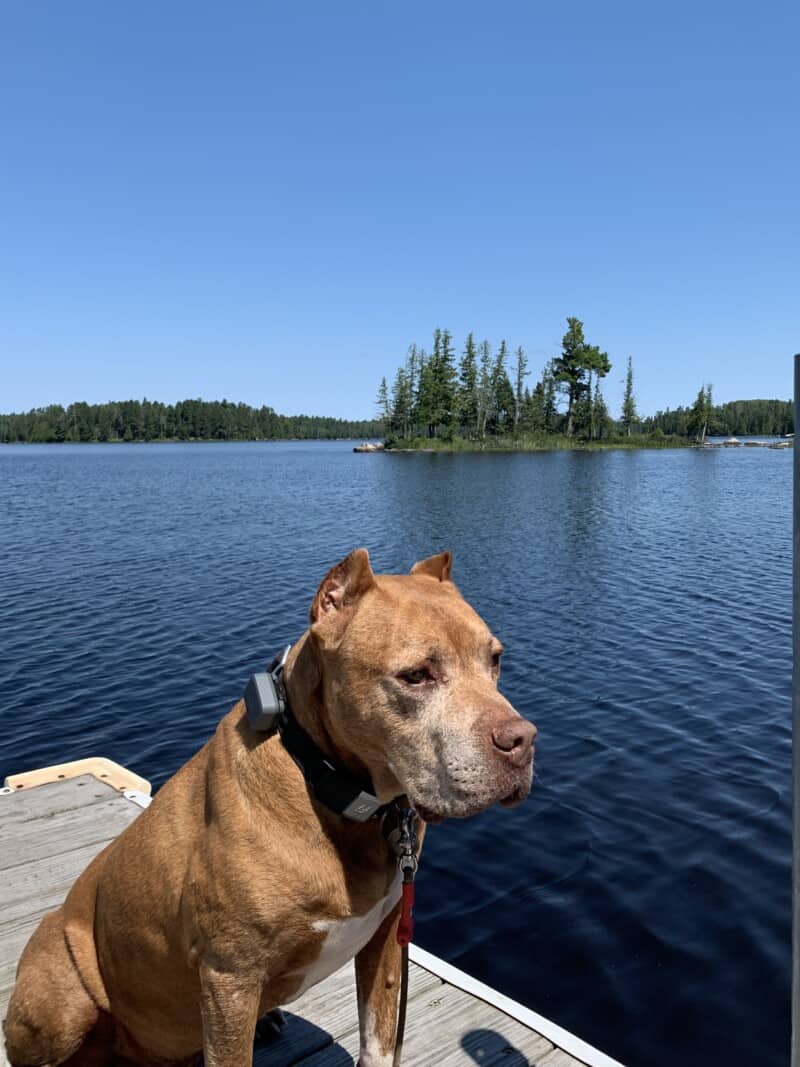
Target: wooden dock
[{"x": 48, "y": 834}]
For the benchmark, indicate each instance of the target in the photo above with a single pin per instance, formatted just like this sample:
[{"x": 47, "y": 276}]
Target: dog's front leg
[
  {"x": 377, "y": 986},
  {"x": 229, "y": 1004}
]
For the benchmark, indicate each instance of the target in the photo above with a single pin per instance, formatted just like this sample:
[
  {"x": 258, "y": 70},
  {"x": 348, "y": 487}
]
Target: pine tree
[
  {"x": 431, "y": 387},
  {"x": 549, "y": 398},
  {"x": 424, "y": 394},
  {"x": 601, "y": 419},
  {"x": 536, "y": 422},
  {"x": 437, "y": 387},
  {"x": 582, "y": 423},
  {"x": 521, "y": 375},
  {"x": 467, "y": 397},
  {"x": 433, "y": 382},
  {"x": 629, "y": 413},
  {"x": 709, "y": 408},
  {"x": 568, "y": 369},
  {"x": 502, "y": 412},
  {"x": 412, "y": 371},
  {"x": 700, "y": 413},
  {"x": 485, "y": 394},
  {"x": 382, "y": 402},
  {"x": 597, "y": 364},
  {"x": 446, "y": 381},
  {"x": 401, "y": 404},
  {"x": 573, "y": 370}
]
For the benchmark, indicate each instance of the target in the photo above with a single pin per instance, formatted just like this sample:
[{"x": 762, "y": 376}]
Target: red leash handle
[{"x": 405, "y": 928}]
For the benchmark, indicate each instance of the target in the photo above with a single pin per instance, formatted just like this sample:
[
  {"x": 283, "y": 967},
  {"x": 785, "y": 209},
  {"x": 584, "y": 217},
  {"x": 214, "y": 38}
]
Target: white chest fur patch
[{"x": 345, "y": 938}]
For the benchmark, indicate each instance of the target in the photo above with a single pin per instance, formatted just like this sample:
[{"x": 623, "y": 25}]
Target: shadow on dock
[
  {"x": 296, "y": 1040},
  {"x": 489, "y": 1047},
  {"x": 299, "y": 1039}
]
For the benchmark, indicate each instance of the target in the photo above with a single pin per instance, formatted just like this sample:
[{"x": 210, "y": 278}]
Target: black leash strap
[
  {"x": 402, "y": 836},
  {"x": 401, "y": 1013}
]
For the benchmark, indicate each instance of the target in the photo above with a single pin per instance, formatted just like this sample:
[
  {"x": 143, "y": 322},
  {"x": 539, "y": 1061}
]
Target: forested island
[
  {"x": 187, "y": 420},
  {"x": 485, "y": 401}
]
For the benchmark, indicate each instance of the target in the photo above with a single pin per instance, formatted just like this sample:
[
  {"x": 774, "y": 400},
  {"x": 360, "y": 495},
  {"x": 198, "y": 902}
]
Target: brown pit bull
[{"x": 236, "y": 889}]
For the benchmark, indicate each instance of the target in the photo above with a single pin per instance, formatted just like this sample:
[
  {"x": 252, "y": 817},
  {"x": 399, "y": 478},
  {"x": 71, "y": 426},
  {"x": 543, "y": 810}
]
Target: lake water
[{"x": 641, "y": 897}]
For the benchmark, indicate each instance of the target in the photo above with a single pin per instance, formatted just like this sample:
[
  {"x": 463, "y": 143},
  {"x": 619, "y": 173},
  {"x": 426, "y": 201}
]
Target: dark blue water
[{"x": 641, "y": 897}]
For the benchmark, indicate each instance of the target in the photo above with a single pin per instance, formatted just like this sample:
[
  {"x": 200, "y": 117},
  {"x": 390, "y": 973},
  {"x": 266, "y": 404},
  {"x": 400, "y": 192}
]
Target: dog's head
[{"x": 407, "y": 684}]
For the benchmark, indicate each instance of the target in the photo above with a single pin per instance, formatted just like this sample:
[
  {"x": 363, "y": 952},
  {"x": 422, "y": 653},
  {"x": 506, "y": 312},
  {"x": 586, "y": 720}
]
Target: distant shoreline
[
  {"x": 500, "y": 446},
  {"x": 185, "y": 441},
  {"x": 145, "y": 421}
]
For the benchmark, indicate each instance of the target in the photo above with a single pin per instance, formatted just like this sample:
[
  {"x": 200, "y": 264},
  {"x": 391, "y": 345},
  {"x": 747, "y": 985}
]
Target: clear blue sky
[{"x": 270, "y": 201}]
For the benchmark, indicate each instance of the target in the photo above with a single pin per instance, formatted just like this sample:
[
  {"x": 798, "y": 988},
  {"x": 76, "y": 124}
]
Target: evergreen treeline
[
  {"x": 188, "y": 420},
  {"x": 759, "y": 418}
]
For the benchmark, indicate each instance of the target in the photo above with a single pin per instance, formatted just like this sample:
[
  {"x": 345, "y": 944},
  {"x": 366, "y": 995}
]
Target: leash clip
[
  {"x": 406, "y": 849},
  {"x": 407, "y": 845}
]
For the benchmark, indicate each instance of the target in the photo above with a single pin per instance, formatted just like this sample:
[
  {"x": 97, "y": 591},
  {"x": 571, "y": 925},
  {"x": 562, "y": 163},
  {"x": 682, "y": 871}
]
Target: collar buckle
[{"x": 363, "y": 808}]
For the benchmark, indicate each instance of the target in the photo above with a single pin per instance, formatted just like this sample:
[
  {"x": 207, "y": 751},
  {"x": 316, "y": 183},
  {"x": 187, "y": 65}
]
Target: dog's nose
[{"x": 515, "y": 739}]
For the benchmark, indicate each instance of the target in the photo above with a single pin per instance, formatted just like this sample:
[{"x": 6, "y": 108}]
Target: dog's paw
[{"x": 269, "y": 1026}]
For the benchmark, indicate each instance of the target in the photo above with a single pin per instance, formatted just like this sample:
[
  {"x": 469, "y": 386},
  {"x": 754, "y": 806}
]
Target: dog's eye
[
  {"x": 416, "y": 677},
  {"x": 496, "y": 660}
]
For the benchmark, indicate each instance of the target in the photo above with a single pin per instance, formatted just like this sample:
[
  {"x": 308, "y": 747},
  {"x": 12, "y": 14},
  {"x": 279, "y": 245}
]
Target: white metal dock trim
[{"x": 560, "y": 1038}]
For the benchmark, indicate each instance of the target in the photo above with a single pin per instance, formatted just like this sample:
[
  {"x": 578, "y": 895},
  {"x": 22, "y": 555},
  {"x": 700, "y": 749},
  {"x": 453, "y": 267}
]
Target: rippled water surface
[{"x": 641, "y": 897}]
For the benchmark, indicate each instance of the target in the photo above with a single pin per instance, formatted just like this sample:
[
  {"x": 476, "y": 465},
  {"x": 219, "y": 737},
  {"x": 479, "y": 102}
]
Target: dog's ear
[
  {"x": 438, "y": 567},
  {"x": 341, "y": 588}
]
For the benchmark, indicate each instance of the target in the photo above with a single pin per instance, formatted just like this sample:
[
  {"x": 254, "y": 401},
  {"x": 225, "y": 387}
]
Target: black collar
[
  {"x": 268, "y": 710},
  {"x": 331, "y": 784}
]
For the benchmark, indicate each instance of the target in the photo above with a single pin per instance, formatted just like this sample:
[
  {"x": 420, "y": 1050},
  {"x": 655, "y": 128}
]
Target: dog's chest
[{"x": 344, "y": 938}]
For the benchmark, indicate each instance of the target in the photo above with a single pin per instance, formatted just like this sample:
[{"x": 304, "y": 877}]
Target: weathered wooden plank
[
  {"x": 22, "y": 842},
  {"x": 559, "y": 1058},
  {"x": 310, "y": 1019},
  {"x": 326, "y": 1012},
  {"x": 298, "y": 1039},
  {"x": 48, "y": 835},
  {"x": 42, "y": 883},
  {"x": 460, "y": 1029},
  {"x": 332, "y": 1003},
  {"x": 53, "y": 799},
  {"x": 555, "y": 1034},
  {"x": 13, "y": 942},
  {"x": 452, "y": 1028},
  {"x": 335, "y": 1054},
  {"x": 494, "y": 1048}
]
